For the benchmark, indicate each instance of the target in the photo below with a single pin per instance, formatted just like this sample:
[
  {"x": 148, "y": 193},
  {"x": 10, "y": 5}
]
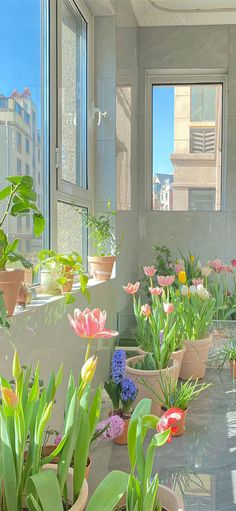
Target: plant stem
[
  {"x": 14, "y": 189},
  {"x": 88, "y": 350}
]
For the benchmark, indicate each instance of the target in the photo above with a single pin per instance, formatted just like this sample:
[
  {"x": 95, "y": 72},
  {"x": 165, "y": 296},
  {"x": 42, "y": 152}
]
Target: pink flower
[
  {"x": 168, "y": 308},
  {"x": 165, "y": 281},
  {"x": 111, "y": 428},
  {"x": 216, "y": 264},
  {"x": 149, "y": 271},
  {"x": 233, "y": 262},
  {"x": 57, "y": 439},
  {"x": 146, "y": 310},
  {"x": 178, "y": 267},
  {"x": 131, "y": 289},
  {"x": 91, "y": 324},
  {"x": 196, "y": 282},
  {"x": 155, "y": 290}
]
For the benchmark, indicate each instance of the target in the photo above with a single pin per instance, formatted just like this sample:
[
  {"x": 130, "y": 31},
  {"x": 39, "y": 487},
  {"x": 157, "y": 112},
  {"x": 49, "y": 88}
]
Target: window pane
[
  {"x": 187, "y": 154},
  {"x": 123, "y": 145},
  {"x": 203, "y": 200},
  {"x": 71, "y": 233},
  {"x": 23, "y": 116},
  {"x": 74, "y": 96}
]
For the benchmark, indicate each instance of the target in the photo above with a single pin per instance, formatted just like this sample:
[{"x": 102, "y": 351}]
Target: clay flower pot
[
  {"x": 49, "y": 448},
  {"x": 232, "y": 364},
  {"x": 178, "y": 357},
  {"x": 80, "y": 503},
  {"x": 168, "y": 499},
  {"x": 101, "y": 267},
  {"x": 180, "y": 425},
  {"x": 151, "y": 377},
  {"x": 10, "y": 281},
  {"x": 195, "y": 358},
  {"x": 122, "y": 439},
  {"x": 69, "y": 275}
]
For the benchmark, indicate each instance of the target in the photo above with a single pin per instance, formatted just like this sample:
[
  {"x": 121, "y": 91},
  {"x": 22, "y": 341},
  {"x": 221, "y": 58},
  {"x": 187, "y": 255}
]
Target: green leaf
[
  {"x": 109, "y": 492},
  {"x": 27, "y": 181},
  {"x": 10, "y": 483},
  {"x": 15, "y": 180},
  {"x": 150, "y": 498},
  {"x": 142, "y": 408},
  {"x": 27, "y": 193},
  {"x": 45, "y": 488},
  {"x": 81, "y": 452},
  {"x": 5, "y": 192},
  {"x": 69, "y": 298},
  {"x": 95, "y": 410},
  {"x": 39, "y": 224}
]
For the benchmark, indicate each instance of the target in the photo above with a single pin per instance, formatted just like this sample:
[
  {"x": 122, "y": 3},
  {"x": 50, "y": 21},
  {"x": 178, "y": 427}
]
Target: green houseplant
[
  {"x": 58, "y": 272},
  {"x": 141, "y": 491},
  {"x": 19, "y": 199},
  {"x": 226, "y": 353},
  {"x": 104, "y": 244}
]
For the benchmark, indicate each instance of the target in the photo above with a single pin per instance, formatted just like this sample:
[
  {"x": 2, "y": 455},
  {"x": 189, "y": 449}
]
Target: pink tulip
[
  {"x": 155, "y": 290},
  {"x": 149, "y": 271},
  {"x": 168, "y": 308},
  {"x": 131, "y": 289},
  {"x": 196, "y": 282},
  {"x": 233, "y": 262},
  {"x": 178, "y": 267},
  {"x": 91, "y": 324},
  {"x": 165, "y": 281},
  {"x": 146, "y": 310}
]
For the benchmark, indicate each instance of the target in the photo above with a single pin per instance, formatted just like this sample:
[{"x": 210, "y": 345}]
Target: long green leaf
[
  {"x": 109, "y": 492},
  {"x": 81, "y": 452},
  {"x": 44, "y": 486}
]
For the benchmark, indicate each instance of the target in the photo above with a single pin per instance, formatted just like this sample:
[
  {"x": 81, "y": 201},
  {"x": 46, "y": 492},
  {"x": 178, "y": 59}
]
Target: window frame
[
  {"x": 61, "y": 190},
  {"x": 181, "y": 77}
]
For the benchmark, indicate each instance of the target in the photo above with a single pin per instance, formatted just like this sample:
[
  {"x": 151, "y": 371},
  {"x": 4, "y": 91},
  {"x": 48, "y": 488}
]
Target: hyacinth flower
[
  {"x": 90, "y": 325},
  {"x": 121, "y": 390},
  {"x": 110, "y": 428}
]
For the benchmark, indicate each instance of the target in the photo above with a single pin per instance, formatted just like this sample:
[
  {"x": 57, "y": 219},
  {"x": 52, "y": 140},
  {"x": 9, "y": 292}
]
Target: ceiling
[{"x": 184, "y": 12}]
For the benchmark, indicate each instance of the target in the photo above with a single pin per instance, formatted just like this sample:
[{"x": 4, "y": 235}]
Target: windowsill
[{"x": 43, "y": 299}]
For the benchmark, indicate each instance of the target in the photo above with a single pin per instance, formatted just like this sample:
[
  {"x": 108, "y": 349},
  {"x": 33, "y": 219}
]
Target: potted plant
[
  {"x": 141, "y": 491},
  {"x": 226, "y": 353},
  {"x": 105, "y": 246},
  {"x": 175, "y": 395},
  {"x": 196, "y": 308},
  {"x": 20, "y": 198},
  {"x": 122, "y": 392},
  {"x": 158, "y": 325},
  {"x": 58, "y": 272}
]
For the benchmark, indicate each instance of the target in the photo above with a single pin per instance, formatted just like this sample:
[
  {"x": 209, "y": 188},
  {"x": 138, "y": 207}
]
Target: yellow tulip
[
  {"x": 88, "y": 369},
  {"x": 9, "y": 397},
  {"x": 182, "y": 277},
  {"x": 192, "y": 258}
]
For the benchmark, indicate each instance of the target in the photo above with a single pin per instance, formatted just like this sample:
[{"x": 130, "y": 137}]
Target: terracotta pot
[
  {"x": 87, "y": 471},
  {"x": 28, "y": 277},
  {"x": 195, "y": 358},
  {"x": 178, "y": 357},
  {"x": 169, "y": 500},
  {"x": 232, "y": 364},
  {"x": 69, "y": 274},
  {"x": 48, "y": 449},
  {"x": 48, "y": 282},
  {"x": 10, "y": 281},
  {"x": 180, "y": 425},
  {"x": 152, "y": 378},
  {"x": 80, "y": 503},
  {"x": 101, "y": 267},
  {"x": 122, "y": 439}
]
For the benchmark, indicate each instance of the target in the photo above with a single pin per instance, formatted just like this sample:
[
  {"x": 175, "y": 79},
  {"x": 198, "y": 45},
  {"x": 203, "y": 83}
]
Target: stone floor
[{"x": 200, "y": 465}]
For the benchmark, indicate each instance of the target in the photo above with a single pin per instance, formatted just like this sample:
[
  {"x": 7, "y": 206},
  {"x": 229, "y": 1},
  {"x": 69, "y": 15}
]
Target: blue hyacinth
[
  {"x": 118, "y": 366},
  {"x": 128, "y": 390}
]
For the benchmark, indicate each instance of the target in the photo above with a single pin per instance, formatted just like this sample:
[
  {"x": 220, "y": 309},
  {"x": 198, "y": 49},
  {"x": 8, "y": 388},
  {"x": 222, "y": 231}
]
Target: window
[
  {"x": 28, "y": 18},
  {"x": 27, "y": 145},
  {"x": 74, "y": 180},
  {"x": 187, "y": 145},
  {"x": 201, "y": 199}
]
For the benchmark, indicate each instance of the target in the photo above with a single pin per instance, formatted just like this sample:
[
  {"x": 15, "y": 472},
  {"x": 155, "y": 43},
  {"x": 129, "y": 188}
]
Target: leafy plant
[
  {"x": 224, "y": 354},
  {"x": 196, "y": 315},
  {"x": 163, "y": 260},
  {"x": 101, "y": 231},
  {"x": 192, "y": 266},
  {"x": 177, "y": 395}
]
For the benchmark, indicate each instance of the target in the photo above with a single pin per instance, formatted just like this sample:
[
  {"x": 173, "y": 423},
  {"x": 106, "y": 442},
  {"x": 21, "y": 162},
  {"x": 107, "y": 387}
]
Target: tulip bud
[
  {"x": 16, "y": 367},
  {"x": 184, "y": 290},
  {"x": 88, "y": 369},
  {"x": 9, "y": 397},
  {"x": 182, "y": 277}
]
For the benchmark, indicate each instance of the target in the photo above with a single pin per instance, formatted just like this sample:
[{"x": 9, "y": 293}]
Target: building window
[
  {"x": 202, "y": 199},
  {"x": 27, "y": 145},
  {"x": 19, "y": 141},
  {"x": 21, "y": 104},
  {"x": 187, "y": 144},
  {"x": 75, "y": 83}
]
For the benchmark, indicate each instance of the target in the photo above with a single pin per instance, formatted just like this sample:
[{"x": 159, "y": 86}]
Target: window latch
[{"x": 97, "y": 112}]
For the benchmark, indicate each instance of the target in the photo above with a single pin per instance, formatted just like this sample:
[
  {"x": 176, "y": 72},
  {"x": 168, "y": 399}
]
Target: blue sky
[
  {"x": 20, "y": 47},
  {"x": 163, "y": 128}
]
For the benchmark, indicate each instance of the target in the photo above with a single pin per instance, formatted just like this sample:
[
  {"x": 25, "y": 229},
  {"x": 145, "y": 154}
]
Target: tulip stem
[{"x": 88, "y": 350}]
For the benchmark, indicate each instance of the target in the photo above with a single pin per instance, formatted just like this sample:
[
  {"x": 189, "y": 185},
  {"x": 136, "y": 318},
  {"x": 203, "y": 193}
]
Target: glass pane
[
  {"x": 186, "y": 155},
  {"x": 23, "y": 110},
  {"x": 203, "y": 200},
  {"x": 71, "y": 233},
  {"x": 74, "y": 96},
  {"x": 123, "y": 146}
]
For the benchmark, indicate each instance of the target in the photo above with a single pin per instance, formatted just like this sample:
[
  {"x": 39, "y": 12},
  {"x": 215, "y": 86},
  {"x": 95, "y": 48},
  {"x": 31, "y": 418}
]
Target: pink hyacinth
[
  {"x": 149, "y": 271},
  {"x": 165, "y": 281},
  {"x": 168, "y": 308},
  {"x": 131, "y": 289},
  {"x": 91, "y": 324},
  {"x": 146, "y": 310},
  {"x": 196, "y": 282},
  {"x": 57, "y": 439},
  {"x": 115, "y": 427},
  {"x": 155, "y": 290}
]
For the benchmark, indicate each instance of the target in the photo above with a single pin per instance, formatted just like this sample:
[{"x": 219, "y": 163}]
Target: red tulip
[
  {"x": 91, "y": 324},
  {"x": 169, "y": 420}
]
